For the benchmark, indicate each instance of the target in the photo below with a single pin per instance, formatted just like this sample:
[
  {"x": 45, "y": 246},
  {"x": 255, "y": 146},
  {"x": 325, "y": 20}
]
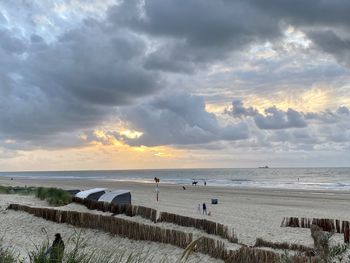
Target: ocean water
[{"x": 281, "y": 178}]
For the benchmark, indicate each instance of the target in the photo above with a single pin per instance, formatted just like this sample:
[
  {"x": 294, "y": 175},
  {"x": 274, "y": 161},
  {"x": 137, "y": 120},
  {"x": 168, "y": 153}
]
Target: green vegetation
[
  {"x": 17, "y": 190},
  {"x": 54, "y": 196},
  {"x": 327, "y": 253},
  {"x": 7, "y": 256},
  {"x": 79, "y": 252}
]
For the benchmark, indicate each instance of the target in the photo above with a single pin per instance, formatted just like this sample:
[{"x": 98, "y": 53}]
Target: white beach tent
[
  {"x": 116, "y": 197},
  {"x": 93, "y": 194}
]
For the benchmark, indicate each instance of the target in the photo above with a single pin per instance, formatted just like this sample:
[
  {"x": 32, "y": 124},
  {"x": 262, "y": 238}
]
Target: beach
[{"x": 252, "y": 213}]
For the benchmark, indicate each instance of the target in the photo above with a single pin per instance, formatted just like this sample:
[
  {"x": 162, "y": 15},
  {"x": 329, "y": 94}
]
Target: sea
[{"x": 279, "y": 178}]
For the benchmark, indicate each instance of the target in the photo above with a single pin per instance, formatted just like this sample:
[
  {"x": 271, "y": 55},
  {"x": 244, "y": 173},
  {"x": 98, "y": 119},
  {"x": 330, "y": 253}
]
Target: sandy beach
[{"x": 252, "y": 213}]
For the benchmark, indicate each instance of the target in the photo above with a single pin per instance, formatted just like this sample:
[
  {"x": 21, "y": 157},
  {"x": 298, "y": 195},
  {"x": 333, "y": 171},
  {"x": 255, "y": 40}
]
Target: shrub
[{"x": 54, "y": 196}]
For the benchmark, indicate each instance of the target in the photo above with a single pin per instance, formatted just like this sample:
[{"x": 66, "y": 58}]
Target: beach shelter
[
  {"x": 92, "y": 194},
  {"x": 117, "y": 197}
]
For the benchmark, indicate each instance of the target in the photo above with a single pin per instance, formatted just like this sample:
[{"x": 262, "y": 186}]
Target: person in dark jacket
[
  {"x": 204, "y": 209},
  {"x": 57, "y": 249}
]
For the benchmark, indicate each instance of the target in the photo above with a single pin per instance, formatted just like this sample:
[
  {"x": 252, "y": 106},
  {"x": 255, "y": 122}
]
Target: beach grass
[
  {"x": 79, "y": 252},
  {"x": 7, "y": 255},
  {"x": 54, "y": 196},
  {"x": 17, "y": 190}
]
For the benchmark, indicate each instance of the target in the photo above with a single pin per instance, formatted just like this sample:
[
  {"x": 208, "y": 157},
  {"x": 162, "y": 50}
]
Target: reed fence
[
  {"x": 253, "y": 255},
  {"x": 326, "y": 224},
  {"x": 208, "y": 226},
  {"x": 217, "y": 249},
  {"x": 138, "y": 231},
  {"x": 126, "y": 209},
  {"x": 283, "y": 245},
  {"x": 111, "y": 224}
]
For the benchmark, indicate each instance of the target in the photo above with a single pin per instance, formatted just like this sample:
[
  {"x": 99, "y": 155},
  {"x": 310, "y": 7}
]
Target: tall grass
[
  {"x": 7, "y": 255},
  {"x": 79, "y": 252},
  {"x": 17, "y": 190},
  {"x": 54, "y": 196}
]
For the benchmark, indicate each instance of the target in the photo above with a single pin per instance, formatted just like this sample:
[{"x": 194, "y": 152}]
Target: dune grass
[
  {"x": 54, "y": 196},
  {"x": 17, "y": 190},
  {"x": 77, "y": 251},
  {"x": 7, "y": 255}
]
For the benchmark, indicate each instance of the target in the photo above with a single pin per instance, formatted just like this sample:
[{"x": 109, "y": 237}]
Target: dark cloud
[
  {"x": 343, "y": 110},
  {"x": 329, "y": 116},
  {"x": 174, "y": 61},
  {"x": 271, "y": 120},
  {"x": 321, "y": 21},
  {"x": 332, "y": 43},
  {"x": 311, "y": 13},
  {"x": 179, "y": 118},
  {"x": 238, "y": 110},
  {"x": 95, "y": 65},
  {"x": 199, "y": 23},
  {"x": 274, "y": 118},
  {"x": 277, "y": 119},
  {"x": 326, "y": 116},
  {"x": 11, "y": 43},
  {"x": 194, "y": 31},
  {"x": 71, "y": 84}
]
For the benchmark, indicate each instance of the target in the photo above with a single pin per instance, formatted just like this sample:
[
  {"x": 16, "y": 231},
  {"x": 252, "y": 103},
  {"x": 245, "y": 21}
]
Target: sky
[{"x": 139, "y": 84}]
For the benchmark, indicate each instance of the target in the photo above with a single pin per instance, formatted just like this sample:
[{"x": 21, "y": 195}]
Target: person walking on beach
[
  {"x": 56, "y": 250},
  {"x": 199, "y": 208},
  {"x": 204, "y": 209},
  {"x": 157, "y": 193}
]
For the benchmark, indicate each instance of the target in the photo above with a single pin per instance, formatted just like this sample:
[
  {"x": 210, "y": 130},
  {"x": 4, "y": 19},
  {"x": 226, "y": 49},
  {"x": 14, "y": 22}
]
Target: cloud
[
  {"x": 343, "y": 110},
  {"x": 11, "y": 43},
  {"x": 332, "y": 43},
  {"x": 277, "y": 119},
  {"x": 194, "y": 32},
  {"x": 75, "y": 83},
  {"x": 178, "y": 118},
  {"x": 271, "y": 120},
  {"x": 326, "y": 31},
  {"x": 238, "y": 110},
  {"x": 95, "y": 65},
  {"x": 274, "y": 118}
]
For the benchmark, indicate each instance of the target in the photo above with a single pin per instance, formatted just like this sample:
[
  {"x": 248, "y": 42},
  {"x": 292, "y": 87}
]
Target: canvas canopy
[
  {"x": 94, "y": 193},
  {"x": 116, "y": 197}
]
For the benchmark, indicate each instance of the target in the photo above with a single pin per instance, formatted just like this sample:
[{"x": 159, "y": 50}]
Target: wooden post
[
  {"x": 337, "y": 226},
  {"x": 346, "y": 231}
]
